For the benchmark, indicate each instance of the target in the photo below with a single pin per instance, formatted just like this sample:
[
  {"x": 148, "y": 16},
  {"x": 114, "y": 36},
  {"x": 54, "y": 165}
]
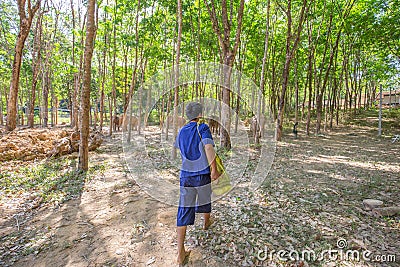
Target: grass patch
[
  {"x": 369, "y": 118},
  {"x": 53, "y": 180}
]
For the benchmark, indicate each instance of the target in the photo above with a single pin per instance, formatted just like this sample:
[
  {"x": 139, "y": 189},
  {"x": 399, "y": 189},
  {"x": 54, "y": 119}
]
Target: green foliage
[
  {"x": 369, "y": 43},
  {"x": 393, "y": 113}
]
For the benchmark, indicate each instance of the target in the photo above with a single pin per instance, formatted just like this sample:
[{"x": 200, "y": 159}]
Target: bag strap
[
  {"x": 198, "y": 132},
  {"x": 201, "y": 140}
]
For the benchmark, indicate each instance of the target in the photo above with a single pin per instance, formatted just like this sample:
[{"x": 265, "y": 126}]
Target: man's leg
[
  {"x": 185, "y": 216},
  {"x": 182, "y": 254},
  {"x": 207, "y": 221},
  {"x": 203, "y": 204}
]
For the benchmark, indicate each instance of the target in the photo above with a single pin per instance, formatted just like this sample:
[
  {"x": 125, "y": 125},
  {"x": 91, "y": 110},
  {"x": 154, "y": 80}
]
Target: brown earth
[{"x": 30, "y": 144}]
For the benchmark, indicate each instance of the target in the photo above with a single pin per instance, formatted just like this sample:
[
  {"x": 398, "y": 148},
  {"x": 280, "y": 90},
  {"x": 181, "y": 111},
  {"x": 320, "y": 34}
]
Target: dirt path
[{"x": 113, "y": 223}]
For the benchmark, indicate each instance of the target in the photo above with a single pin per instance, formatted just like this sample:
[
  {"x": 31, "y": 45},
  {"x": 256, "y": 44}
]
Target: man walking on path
[{"x": 196, "y": 145}]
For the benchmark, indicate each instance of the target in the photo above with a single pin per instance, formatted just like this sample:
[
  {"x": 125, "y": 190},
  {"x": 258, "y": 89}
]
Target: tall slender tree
[
  {"x": 74, "y": 100},
  {"x": 25, "y": 23},
  {"x": 36, "y": 58},
  {"x": 260, "y": 115},
  {"x": 333, "y": 52},
  {"x": 176, "y": 77},
  {"x": 292, "y": 41},
  {"x": 85, "y": 96},
  {"x": 228, "y": 57},
  {"x": 113, "y": 102}
]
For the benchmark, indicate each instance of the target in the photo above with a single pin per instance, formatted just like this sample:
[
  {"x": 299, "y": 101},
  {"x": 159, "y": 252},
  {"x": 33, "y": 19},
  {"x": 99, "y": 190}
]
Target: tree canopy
[{"x": 344, "y": 49}]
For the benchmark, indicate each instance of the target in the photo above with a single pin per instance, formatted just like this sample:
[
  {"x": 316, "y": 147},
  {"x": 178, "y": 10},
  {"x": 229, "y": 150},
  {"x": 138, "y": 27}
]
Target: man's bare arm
[{"x": 210, "y": 152}]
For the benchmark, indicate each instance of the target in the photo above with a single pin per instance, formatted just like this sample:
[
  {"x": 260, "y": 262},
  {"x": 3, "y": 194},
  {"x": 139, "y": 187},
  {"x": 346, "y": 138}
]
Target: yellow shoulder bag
[{"x": 222, "y": 185}]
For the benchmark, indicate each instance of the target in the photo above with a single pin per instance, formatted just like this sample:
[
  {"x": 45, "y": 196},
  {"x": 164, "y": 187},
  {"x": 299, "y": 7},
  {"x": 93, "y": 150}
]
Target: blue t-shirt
[{"x": 194, "y": 159}]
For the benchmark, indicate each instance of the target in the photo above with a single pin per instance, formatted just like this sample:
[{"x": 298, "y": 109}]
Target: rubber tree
[
  {"x": 25, "y": 23},
  {"x": 84, "y": 112},
  {"x": 228, "y": 55}
]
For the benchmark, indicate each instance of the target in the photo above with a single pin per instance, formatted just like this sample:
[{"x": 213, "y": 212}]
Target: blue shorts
[{"x": 195, "y": 197}]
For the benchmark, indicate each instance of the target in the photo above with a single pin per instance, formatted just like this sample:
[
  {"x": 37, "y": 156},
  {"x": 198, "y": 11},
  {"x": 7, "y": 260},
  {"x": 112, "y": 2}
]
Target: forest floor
[{"x": 312, "y": 197}]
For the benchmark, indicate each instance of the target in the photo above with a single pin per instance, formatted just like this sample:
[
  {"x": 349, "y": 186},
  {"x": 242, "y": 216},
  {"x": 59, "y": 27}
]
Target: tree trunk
[
  {"x": 102, "y": 96},
  {"x": 338, "y": 101},
  {"x": 166, "y": 121},
  {"x": 347, "y": 99},
  {"x": 198, "y": 50},
  {"x": 50, "y": 72},
  {"x": 140, "y": 93},
  {"x": 303, "y": 105},
  {"x": 46, "y": 86},
  {"x": 1, "y": 109},
  {"x": 74, "y": 100},
  {"x": 103, "y": 80},
  {"x": 85, "y": 96},
  {"x": 176, "y": 77},
  {"x": 36, "y": 57},
  {"x": 24, "y": 28},
  {"x": 227, "y": 57},
  {"x": 56, "y": 109},
  {"x": 148, "y": 105},
  {"x": 239, "y": 79},
  {"x": 45, "y": 98},
  {"x": 114, "y": 89},
  {"x": 296, "y": 93},
  {"x": 52, "y": 103},
  {"x": 133, "y": 78},
  {"x": 319, "y": 94},
  {"x": 333, "y": 104},
  {"x": 260, "y": 116},
  {"x": 290, "y": 50},
  {"x": 309, "y": 82}
]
